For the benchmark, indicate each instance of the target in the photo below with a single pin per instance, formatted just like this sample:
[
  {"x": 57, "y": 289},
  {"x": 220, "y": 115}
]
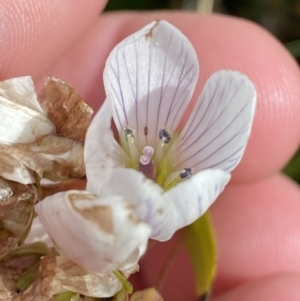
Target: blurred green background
[{"x": 280, "y": 17}]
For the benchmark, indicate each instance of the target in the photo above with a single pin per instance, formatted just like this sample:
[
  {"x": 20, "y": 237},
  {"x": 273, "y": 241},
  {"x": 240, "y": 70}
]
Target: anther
[
  {"x": 165, "y": 135},
  {"x": 186, "y": 173},
  {"x": 131, "y": 146},
  {"x": 129, "y": 133}
]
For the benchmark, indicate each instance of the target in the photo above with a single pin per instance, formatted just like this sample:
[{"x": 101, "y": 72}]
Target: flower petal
[
  {"x": 101, "y": 151},
  {"x": 52, "y": 157},
  {"x": 38, "y": 233},
  {"x": 147, "y": 198},
  {"x": 150, "y": 76},
  {"x": 58, "y": 274},
  {"x": 192, "y": 197},
  {"x": 16, "y": 214},
  {"x": 97, "y": 234},
  {"x": 65, "y": 108},
  {"x": 12, "y": 169},
  {"x": 21, "y": 90},
  {"x": 218, "y": 129},
  {"x": 21, "y": 124}
]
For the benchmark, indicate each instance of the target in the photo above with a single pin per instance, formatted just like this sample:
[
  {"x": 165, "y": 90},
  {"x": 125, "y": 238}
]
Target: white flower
[
  {"x": 100, "y": 237},
  {"x": 158, "y": 175},
  {"x": 149, "y": 80}
]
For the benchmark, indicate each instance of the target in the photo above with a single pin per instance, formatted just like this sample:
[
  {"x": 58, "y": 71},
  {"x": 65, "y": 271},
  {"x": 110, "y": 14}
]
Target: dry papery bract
[
  {"x": 16, "y": 213},
  {"x": 57, "y": 277},
  {"x": 25, "y": 161},
  {"x": 46, "y": 142},
  {"x": 65, "y": 108},
  {"x": 56, "y": 153}
]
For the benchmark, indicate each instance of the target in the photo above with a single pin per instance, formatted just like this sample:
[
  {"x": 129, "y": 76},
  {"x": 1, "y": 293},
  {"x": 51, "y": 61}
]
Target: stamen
[
  {"x": 165, "y": 138},
  {"x": 177, "y": 176},
  {"x": 186, "y": 173},
  {"x": 146, "y": 165},
  {"x": 165, "y": 135},
  {"x": 130, "y": 139}
]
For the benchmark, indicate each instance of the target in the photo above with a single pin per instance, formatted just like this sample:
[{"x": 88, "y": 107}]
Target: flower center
[{"x": 151, "y": 162}]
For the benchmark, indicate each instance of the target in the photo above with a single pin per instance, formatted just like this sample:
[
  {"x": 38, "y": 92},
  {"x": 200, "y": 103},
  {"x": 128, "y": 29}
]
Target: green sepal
[
  {"x": 125, "y": 283},
  {"x": 65, "y": 296},
  {"x": 37, "y": 248},
  {"x": 200, "y": 241},
  {"x": 121, "y": 295},
  {"x": 27, "y": 277}
]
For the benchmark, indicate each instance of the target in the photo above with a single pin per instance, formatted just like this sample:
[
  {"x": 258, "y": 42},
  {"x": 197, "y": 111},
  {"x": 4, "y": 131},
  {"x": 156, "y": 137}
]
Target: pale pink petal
[
  {"x": 21, "y": 90},
  {"x": 193, "y": 197},
  {"x": 150, "y": 76},
  {"x": 98, "y": 234},
  {"x": 38, "y": 233},
  {"x": 101, "y": 151},
  {"x": 216, "y": 133},
  {"x": 147, "y": 199}
]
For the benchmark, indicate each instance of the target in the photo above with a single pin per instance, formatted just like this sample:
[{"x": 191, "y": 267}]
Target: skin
[{"x": 257, "y": 218}]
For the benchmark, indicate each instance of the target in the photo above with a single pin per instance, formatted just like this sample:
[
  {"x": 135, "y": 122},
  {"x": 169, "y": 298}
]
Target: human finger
[
  {"x": 257, "y": 229},
  {"x": 280, "y": 286},
  {"x": 34, "y": 34}
]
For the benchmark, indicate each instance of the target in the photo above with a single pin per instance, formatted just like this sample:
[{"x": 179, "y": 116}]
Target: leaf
[{"x": 200, "y": 241}]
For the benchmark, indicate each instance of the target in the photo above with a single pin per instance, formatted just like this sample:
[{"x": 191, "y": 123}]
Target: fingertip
[
  {"x": 35, "y": 33},
  {"x": 257, "y": 227},
  {"x": 280, "y": 286}
]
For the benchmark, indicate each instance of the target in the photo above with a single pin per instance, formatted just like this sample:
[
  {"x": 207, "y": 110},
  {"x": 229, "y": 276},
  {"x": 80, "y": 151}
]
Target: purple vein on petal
[
  {"x": 149, "y": 85},
  {"x": 228, "y": 87},
  {"x": 227, "y": 159},
  {"x": 162, "y": 82},
  {"x": 126, "y": 68},
  {"x": 208, "y": 127},
  {"x": 215, "y": 112},
  {"x": 184, "y": 138},
  {"x": 215, "y": 139},
  {"x": 175, "y": 65},
  {"x": 137, "y": 88},
  {"x": 180, "y": 80},
  {"x": 172, "y": 72},
  {"x": 120, "y": 87},
  {"x": 184, "y": 94},
  {"x": 119, "y": 120}
]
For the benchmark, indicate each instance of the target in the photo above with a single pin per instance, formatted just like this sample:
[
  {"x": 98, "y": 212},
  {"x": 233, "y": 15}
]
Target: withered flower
[{"x": 40, "y": 137}]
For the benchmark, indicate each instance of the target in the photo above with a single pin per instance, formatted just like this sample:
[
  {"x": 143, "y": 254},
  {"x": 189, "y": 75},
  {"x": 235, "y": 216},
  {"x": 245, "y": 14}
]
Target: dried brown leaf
[
  {"x": 51, "y": 157},
  {"x": 10, "y": 271},
  {"x": 11, "y": 168},
  {"x": 16, "y": 214},
  {"x": 65, "y": 108},
  {"x": 57, "y": 275}
]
